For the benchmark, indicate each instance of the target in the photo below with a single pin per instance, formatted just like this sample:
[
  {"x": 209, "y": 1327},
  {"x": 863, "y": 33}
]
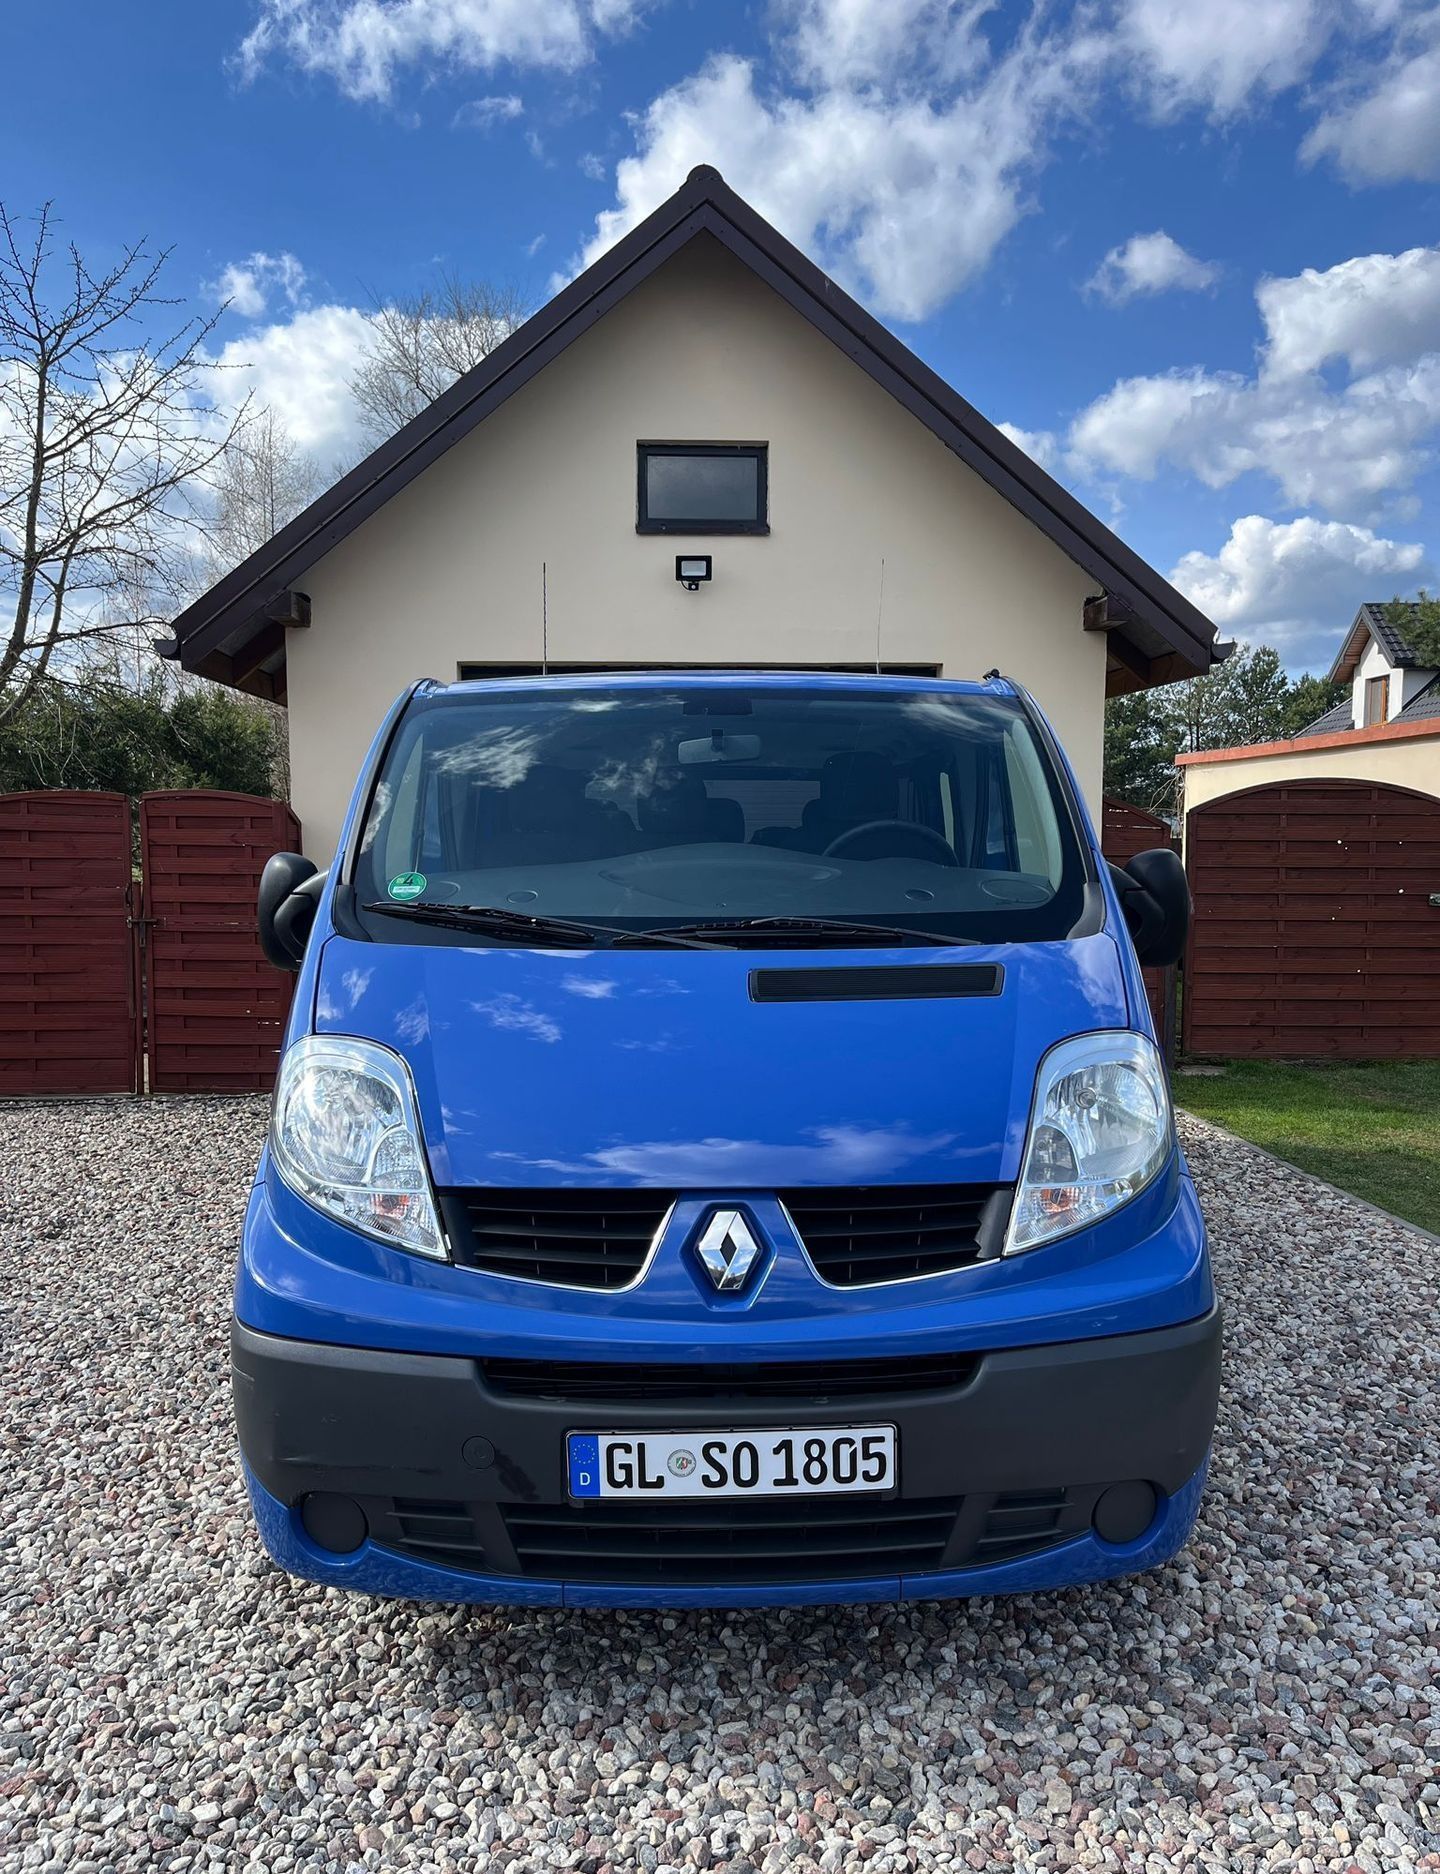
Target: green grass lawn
[{"x": 1372, "y": 1129}]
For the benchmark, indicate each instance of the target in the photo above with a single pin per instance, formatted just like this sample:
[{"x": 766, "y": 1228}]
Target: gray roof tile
[
  {"x": 1426, "y": 704},
  {"x": 1333, "y": 719},
  {"x": 1392, "y": 642}
]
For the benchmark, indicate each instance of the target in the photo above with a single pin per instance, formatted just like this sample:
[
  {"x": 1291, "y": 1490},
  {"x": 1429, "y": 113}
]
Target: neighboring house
[
  {"x": 1386, "y": 731},
  {"x": 1388, "y": 683},
  {"x": 702, "y": 389}
]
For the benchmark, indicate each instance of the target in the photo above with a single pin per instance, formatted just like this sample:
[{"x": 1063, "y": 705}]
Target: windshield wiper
[
  {"x": 495, "y": 921},
  {"x": 819, "y": 927}
]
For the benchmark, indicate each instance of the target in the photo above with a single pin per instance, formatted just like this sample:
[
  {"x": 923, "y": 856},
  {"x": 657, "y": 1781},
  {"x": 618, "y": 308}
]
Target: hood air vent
[{"x": 905, "y": 982}]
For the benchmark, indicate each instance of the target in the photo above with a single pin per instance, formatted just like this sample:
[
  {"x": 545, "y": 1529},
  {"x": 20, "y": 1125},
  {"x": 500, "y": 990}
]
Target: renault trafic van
[{"x": 721, "y": 1155}]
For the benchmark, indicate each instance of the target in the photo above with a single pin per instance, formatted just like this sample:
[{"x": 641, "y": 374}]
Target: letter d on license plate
[{"x": 646, "y": 1465}]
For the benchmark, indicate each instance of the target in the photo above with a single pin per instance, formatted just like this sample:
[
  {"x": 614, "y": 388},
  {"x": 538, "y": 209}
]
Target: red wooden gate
[
  {"x": 68, "y": 997},
  {"x": 216, "y": 1008},
  {"x": 1124, "y": 831},
  {"x": 1314, "y": 933}
]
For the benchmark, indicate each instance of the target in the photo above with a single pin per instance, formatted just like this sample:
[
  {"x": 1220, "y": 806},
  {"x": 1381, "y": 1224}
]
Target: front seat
[
  {"x": 678, "y": 812},
  {"x": 855, "y": 788}
]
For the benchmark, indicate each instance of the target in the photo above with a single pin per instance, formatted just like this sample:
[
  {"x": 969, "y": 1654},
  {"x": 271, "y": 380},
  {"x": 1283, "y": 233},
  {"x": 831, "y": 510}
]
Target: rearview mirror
[
  {"x": 1154, "y": 896},
  {"x": 289, "y": 893},
  {"x": 719, "y": 745}
]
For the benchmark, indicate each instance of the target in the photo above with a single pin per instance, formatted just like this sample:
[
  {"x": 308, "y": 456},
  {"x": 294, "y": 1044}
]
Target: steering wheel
[{"x": 934, "y": 846}]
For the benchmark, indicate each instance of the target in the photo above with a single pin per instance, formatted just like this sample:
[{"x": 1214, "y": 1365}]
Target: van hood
[{"x": 656, "y": 1067}]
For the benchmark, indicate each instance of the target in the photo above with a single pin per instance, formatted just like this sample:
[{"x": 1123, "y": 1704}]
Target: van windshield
[{"x": 647, "y": 808}]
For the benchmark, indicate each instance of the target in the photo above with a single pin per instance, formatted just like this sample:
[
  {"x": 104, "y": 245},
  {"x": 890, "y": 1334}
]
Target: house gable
[
  {"x": 238, "y": 631},
  {"x": 520, "y": 545}
]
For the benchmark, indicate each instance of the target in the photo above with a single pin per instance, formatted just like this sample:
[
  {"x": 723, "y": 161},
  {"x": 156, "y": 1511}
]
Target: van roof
[{"x": 689, "y": 679}]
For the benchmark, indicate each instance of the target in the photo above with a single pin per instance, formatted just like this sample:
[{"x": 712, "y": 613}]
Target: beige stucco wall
[
  {"x": 450, "y": 569},
  {"x": 1412, "y": 762}
]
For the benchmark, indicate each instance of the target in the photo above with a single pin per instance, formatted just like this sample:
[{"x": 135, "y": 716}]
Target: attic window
[{"x": 703, "y": 488}]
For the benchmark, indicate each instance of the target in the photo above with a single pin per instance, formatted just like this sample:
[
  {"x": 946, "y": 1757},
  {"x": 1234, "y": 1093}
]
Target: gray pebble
[{"x": 169, "y": 1700}]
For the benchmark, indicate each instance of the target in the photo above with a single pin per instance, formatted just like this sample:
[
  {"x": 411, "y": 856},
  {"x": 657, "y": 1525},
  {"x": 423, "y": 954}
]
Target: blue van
[{"x": 720, "y": 1156}]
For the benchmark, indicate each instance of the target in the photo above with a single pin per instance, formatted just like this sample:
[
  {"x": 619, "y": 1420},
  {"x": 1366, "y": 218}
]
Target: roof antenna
[
  {"x": 544, "y": 620},
  {"x": 879, "y": 614}
]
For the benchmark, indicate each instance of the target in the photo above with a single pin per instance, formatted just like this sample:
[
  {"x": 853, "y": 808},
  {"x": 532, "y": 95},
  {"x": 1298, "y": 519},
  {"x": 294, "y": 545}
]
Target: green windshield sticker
[{"x": 409, "y": 885}]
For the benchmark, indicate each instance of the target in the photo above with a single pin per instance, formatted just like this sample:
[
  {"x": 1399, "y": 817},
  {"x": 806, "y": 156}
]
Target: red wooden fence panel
[
  {"x": 216, "y": 1008},
  {"x": 1124, "y": 831},
  {"x": 68, "y": 999},
  {"x": 1314, "y": 934}
]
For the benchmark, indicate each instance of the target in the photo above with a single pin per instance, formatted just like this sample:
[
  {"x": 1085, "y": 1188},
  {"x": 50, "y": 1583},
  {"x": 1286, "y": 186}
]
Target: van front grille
[
  {"x": 853, "y": 1235},
  {"x": 571, "y": 1238},
  {"x": 1021, "y": 1523},
  {"x": 745, "y": 1542},
  {"x": 887, "y": 1233},
  {"x": 769, "y": 1540}
]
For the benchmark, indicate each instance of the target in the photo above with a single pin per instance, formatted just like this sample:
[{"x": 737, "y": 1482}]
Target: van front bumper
[{"x": 442, "y": 1478}]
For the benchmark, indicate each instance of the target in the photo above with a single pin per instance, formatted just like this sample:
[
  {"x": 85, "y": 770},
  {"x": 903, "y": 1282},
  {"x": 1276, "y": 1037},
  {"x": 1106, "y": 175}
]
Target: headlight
[
  {"x": 1100, "y": 1130},
  {"x": 346, "y": 1138}
]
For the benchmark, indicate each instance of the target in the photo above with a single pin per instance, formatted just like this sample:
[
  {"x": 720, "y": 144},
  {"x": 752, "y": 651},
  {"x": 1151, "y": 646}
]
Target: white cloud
[
  {"x": 1388, "y": 129},
  {"x": 485, "y": 113},
  {"x": 1374, "y": 310},
  {"x": 1150, "y": 263},
  {"x": 618, "y": 16},
  {"x": 1340, "y": 450},
  {"x": 1296, "y": 583},
  {"x": 899, "y": 140},
  {"x": 1041, "y": 445},
  {"x": 301, "y": 369},
  {"x": 248, "y": 284},
  {"x": 363, "y": 44},
  {"x": 903, "y": 195},
  {"x": 1349, "y": 449},
  {"x": 1217, "y": 55},
  {"x": 863, "y": 42}
]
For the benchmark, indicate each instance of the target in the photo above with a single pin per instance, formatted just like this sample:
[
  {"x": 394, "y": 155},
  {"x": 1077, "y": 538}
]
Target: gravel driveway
[{"x": 168, "y": 1700}]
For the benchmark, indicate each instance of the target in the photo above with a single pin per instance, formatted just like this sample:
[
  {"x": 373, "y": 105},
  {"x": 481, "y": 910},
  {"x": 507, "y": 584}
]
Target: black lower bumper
[{"x": 461, "y": 1461}]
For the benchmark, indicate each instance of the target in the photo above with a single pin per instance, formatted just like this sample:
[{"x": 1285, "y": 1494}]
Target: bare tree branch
[
  {"x": 262, "y": 481},
  {"x": 420, "y": 345},
  {"x": 107, "y": 435}
]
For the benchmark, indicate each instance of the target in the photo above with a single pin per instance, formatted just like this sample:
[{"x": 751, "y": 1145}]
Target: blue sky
[{"x": 1187, "y": 249}]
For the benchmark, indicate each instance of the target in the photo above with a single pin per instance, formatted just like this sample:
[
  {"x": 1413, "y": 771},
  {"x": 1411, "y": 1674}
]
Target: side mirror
[
  {"x": 1154, "y": 896},
  {"x": 290, "y": 889}
]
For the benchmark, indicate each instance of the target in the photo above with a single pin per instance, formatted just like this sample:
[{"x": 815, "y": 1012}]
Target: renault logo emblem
[{"x": 727, "y": 1250}]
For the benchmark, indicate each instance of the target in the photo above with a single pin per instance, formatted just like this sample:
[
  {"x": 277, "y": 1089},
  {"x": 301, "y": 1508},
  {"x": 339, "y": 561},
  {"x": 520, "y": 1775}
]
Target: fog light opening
[
  {"x": 1125, "y": 1512},
  {"x": 333, "y": 1522}
]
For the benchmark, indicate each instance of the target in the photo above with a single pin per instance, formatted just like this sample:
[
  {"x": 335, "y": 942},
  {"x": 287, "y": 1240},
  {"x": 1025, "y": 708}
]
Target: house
[
  {"x": 1388, "y": 681},
  {"x": 701, "y": 392},
  {"x": 1385, "y": 732}
]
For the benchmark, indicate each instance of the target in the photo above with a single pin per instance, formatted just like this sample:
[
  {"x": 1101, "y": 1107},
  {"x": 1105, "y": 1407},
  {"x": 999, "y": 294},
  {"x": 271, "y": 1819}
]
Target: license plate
[{"x": 647, "y": 1465}]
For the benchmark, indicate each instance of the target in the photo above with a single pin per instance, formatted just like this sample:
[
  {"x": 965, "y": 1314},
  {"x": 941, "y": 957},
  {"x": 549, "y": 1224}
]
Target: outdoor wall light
[{"x": 693, "y": 570}]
